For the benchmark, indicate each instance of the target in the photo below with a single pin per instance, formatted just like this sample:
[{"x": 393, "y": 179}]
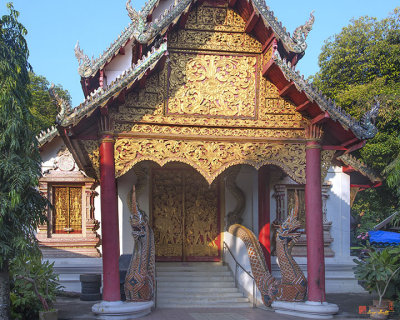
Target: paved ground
[{"x": 73, "y": 308}]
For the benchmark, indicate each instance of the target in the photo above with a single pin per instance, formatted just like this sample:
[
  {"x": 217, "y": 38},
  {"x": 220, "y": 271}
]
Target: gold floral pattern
[
  {"x": 210, "y": 158},
  {"x": 214, "y": 85}
]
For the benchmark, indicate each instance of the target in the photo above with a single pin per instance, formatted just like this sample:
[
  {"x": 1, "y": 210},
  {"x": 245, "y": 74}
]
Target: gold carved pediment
[
  {"x": 212, "y": 85},
  {"x": 209, "y": 105},
  {"x": 210, "y": 158}
]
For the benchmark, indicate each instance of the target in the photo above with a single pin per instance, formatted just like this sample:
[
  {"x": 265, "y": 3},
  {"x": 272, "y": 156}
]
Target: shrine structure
[{"x": 199, "y": 105}]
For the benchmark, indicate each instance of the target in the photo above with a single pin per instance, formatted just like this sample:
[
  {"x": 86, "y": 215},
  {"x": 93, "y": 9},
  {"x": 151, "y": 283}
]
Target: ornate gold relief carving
[
  {"x": 210, "y": 28},
  {"x": 142, "y": 102},
  {"x": 326, "y": 162},
  {"x": 185, "y": 215},
  {"x": 93, "y": 152},
  {"x": 271, "y": 122},
  {"x": 210, "y": 158},
  {"x": 280, "y": 106},
  {"x": 147, "y": 104},
  {"x": 209, "y": 131},
  {"x": 271, "y": 90},
  {"x": 201, "y": 217},
  {"x": 167, "y": 209},
  {"x": 68, "y": 209},
  {"x": 211, "y": 18},
  {"x": 209, "y": 40},
  {"x": 268, "y": 55},
  {"x": 212, "y": 85}
]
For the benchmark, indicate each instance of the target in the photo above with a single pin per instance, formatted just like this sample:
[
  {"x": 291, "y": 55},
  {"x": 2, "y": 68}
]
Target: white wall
[
  {"x": 247, "y": 181},
  {"x": 338, "y": 211},
  {"x": 125, "y": 184},
  {"x": 49, "y": 153},
  {"x": 161, "y": 7},
  {"x": 118, "y": 64}
]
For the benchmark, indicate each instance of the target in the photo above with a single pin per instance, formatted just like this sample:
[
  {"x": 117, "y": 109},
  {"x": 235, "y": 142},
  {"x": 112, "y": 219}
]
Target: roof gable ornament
[
  {"x": 62, "y": 104},
  {"x": 369, "y": 118},
  {"x": 295, "y": 43},
  {"x": 83, "y": 60},
  {"x": 301, "y": 32},
  {"x": 137, "y": 18},
  {"x": 144, "y": 31}
]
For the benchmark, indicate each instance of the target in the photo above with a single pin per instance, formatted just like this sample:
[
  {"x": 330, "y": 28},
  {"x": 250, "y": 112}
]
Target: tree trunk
[{"x": 4, "y": 293}]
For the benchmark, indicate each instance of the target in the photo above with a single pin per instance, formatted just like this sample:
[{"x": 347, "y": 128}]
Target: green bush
[
  {"x": 378, "y": 270},
  {"x": 26, "y": 273}
]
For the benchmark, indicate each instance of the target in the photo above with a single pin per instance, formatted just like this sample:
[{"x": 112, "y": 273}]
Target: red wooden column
[
  {"x": 314, "y": 228},
  {"x": 109, "y": 220},
  {"x": 264, "y": 225}
]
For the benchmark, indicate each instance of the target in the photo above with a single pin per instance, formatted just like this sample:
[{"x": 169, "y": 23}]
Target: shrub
[{"x": 26, "y": 274}]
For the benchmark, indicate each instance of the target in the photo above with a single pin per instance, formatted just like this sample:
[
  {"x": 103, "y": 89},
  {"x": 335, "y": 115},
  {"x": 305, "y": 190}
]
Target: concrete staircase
[{"x": 197, "y": 285}]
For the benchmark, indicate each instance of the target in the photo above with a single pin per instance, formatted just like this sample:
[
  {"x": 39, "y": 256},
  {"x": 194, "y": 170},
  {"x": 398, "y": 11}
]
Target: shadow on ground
[{"x": 73, "y": 308}]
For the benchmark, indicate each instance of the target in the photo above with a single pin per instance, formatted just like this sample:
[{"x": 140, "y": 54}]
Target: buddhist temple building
[{"x": 200, "y": 107}]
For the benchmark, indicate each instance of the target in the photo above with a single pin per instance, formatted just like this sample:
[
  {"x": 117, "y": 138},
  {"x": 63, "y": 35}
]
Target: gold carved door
[
  {"x": 67, "y": 209},
  {"x": 185, "y": 215}
]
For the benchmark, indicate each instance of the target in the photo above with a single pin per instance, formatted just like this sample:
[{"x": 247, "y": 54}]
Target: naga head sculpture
[{"x": 287, "y": 230}]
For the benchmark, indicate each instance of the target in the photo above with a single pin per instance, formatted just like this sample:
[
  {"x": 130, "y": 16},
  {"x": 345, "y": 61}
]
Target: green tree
[
  {"x": 21, "y": 205},
  {"x": 43, "y": 106},
  {"x": 358, "y": 66}
]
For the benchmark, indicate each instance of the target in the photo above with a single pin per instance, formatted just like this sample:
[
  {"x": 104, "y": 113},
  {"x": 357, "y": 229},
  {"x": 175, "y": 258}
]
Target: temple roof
[
  {"x": 144, "y": 32},
  {"x": 363, "y": 129},
  {"x": 46, "y": 136},
  {"x": 101, "y": 96},
  {"x": 359, "y": 166},
  {"x": 282, "y": 71}
]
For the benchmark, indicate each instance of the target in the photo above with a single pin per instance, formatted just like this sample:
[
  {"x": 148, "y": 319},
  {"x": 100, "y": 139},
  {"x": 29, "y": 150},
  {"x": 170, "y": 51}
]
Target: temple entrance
[{"x": 185, "y": 215}]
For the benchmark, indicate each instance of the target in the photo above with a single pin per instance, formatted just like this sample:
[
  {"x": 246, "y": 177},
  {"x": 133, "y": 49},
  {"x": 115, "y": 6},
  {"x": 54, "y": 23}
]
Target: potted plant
[{"x": 377, "y": 270}]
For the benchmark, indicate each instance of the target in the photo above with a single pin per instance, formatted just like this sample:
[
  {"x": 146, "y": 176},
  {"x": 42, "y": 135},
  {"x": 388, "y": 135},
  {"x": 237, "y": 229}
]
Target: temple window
[
  {"x": 67, "y": 209},
  {"x": 70, "y": 229}
]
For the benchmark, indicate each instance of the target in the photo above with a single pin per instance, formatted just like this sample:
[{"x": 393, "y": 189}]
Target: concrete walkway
[{"x": 73, "y": 308}]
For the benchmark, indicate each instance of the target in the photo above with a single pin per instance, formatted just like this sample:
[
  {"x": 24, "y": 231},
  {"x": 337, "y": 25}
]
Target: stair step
[
  {"x": 193, "y": 284},
  {"x": 178, "y": 278},
  {"x": 207, "y": 305},
  {"x": 189, "y": 267},
  {"x": 189, "y": 290},
  {"x": 193, "y": 273},
  {"x": 198, "y": 284},
  {"x": 193, "y": 264},
  {"x": 212, "y": 300},
  {"x": 196, "y": 294}
]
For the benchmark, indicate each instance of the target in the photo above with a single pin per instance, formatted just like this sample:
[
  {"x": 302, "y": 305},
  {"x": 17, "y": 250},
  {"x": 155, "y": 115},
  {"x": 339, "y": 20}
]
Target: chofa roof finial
[
  {"x": 132, "y": 13},
  {"x": 301, "y": 33}
]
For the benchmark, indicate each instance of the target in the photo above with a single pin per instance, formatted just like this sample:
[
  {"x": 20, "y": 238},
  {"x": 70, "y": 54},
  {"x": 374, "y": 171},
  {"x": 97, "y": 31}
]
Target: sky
[{"x": 54, "y": 27}]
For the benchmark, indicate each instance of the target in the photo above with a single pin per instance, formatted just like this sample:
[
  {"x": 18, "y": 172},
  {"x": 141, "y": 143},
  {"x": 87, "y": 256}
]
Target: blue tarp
[{"x": 384, "y": 237}]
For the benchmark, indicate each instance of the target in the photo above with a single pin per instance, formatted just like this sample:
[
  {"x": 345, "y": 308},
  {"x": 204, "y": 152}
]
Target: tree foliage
[
  {"x": 21, "y": 205},
  {"x": 43, "y": 107},
  {"x": 359, "y": 65}
]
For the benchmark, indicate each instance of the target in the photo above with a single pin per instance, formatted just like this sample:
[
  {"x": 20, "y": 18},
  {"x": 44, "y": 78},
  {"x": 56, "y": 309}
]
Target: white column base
[
  {"x": 121, "y": 310},
  {"x": 308, "y": 309}
]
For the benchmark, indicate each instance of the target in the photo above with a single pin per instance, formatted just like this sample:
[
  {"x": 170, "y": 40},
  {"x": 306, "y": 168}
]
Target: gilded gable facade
[{"x": 209, "y": 106}]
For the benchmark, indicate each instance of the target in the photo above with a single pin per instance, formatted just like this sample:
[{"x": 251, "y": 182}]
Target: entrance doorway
[{"x": 185, "y": 215}]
